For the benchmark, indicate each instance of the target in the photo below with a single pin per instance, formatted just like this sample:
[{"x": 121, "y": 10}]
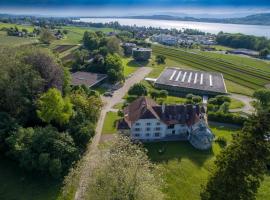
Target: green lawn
[
  {"x": 16, "y": 184},
  {"x": 119, "y": 106},
  {"x": 235, "y": 104},
  {"x": 109, "y": 126},
  {"x": 130, "y": 66}
]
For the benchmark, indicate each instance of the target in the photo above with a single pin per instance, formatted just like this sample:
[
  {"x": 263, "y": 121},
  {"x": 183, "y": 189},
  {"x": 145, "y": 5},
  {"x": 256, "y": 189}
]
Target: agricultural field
[
  {"x": 9, "y": 41},
  {"x": 250, "y": 76},
  {"x": 8, "y": 25}
]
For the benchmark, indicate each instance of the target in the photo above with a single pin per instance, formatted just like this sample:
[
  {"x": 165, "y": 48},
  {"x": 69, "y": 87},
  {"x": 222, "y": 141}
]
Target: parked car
[{"x": 108, "y": 94}]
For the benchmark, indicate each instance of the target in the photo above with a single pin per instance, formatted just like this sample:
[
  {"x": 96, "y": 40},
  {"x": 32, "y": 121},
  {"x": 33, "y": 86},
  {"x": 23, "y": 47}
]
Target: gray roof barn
[{"x": 191, "y": 81}]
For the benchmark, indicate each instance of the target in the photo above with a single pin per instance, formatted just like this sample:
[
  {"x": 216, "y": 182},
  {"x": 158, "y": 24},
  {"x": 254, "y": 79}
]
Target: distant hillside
[{"x": 257, "y": 19}]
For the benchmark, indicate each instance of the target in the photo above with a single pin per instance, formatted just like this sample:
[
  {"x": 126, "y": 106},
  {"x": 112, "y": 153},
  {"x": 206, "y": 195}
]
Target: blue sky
[
  {"x": 135, "y": 2},
  {"x": 193, "y": 8}
]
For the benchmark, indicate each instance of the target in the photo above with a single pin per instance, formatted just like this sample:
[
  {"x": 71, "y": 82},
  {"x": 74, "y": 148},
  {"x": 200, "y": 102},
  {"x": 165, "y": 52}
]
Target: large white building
[{"x": 145, "y": 120}]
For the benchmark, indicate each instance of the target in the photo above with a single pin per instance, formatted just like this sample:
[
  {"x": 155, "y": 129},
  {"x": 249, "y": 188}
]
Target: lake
[{"x": 202, "y": 26}]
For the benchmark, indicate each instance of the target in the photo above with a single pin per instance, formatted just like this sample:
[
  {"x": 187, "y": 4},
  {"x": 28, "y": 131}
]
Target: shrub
[
  {"x": 221, "y": 141},
  {"x": 226, "y": 118},
  {"x": 138, "y": 90},
  {"x": 160, "y": 59}
]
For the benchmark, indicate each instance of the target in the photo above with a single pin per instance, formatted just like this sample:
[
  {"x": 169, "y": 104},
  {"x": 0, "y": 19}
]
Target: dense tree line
[
  {"x": 243, "y": 41},
  {"x": 44, "y": 124}
]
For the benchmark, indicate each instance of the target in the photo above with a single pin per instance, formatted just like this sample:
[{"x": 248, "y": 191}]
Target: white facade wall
[
  {"x": 148, "y": 129},
  {"x": 151, "y": 129}
]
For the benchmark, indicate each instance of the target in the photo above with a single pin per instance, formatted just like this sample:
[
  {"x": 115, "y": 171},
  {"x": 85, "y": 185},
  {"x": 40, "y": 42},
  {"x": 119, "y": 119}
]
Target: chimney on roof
[{"x": 163, "y": 108}]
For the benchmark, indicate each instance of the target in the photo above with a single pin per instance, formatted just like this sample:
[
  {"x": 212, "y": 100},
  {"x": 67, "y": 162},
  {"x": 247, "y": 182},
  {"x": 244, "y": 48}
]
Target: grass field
[
  {"x": 249, "y": 76},
  {"x": 16, "y": 184},
  {"x": 109, "y": 126},
  {"x": 130, "y": 66},
  {"x": 185, "y": 169},
  {"x": 8, "y": 25},
  {"x": 14, "y": 41},
  {"x": 235, "y": 104},
  {"x": 221, "y": 48}
]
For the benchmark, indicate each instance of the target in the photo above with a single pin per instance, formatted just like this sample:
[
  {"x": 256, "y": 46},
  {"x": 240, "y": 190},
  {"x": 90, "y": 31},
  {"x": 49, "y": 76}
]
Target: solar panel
[
  {"x": 210, "y": 80},
  {"x": 201, "y": 82},
  {"x": 172, "y": 75},
  {"x": 184, "y": 76},
  {"x": 195, "y": 79},
  {"x": 178, "y": 76},
  {"x": 190, "y": 76}
]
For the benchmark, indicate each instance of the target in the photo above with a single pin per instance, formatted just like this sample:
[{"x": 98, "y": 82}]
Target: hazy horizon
[{"x": 120, "y": 11}]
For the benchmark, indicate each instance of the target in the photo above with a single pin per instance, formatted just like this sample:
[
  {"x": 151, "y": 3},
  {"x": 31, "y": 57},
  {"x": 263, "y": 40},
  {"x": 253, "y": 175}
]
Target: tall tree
[
  {"x": 52, "y": 107},
  {"x": 90, "y": 40},
  {"x": 114, "y": 67},
  {"x": 46, "y": 36}
]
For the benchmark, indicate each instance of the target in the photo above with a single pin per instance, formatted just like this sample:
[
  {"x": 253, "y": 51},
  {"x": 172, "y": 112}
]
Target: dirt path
[
  {"x": 248, "y": 108},
  {"x": 109, "y": 102}
]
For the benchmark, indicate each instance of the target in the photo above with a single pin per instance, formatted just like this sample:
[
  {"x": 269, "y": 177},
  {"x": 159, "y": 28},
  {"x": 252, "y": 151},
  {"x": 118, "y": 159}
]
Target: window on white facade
[
  {"x": 147, "y": 134},
  {"x": 137, "y": 129},
  {"x": 158, "y": 123},
  {"x": 148, "y": 124},
  {"x": 158, "y": 129},
  {"x": 171, "y": 126},
  {"x": 148, "y": 129},
  {"x": 137, "y": 124},
  {"x": 157, "y": 134},
  {"x": 137, "y": 135}
]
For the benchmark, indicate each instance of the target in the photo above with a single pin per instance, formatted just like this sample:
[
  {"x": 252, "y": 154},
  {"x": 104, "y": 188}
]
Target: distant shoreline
[
  {"x": 207, "y": 27},
  {"x": 259, "y": 20}
]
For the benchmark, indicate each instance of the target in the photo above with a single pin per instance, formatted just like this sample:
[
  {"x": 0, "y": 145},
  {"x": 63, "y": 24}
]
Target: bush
[
  {"x": 160, "y": 59},
  {"x": 138, "y": 89},
  {"x": 226, "y": 118},
  {"x": 221, "y": 141}
]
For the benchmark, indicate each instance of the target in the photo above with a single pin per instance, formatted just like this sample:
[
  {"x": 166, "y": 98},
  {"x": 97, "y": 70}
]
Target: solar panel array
[{"x": 199, "y": 80}]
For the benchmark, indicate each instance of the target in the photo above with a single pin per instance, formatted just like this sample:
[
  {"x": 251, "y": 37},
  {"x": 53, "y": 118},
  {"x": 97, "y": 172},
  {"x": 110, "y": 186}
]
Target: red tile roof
[{"x": 146, "y": 108}]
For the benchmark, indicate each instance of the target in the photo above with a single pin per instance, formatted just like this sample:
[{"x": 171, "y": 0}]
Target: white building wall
[
  {"x": 148, "y": 129},
  {"x": 179, "y": 129},
  {"x": 151, "y": 129}
]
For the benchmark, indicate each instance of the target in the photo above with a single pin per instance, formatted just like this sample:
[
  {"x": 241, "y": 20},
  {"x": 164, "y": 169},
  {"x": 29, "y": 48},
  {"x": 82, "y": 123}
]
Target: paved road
[
  {"x": 248, "y": 108},
  {"x": 109, "y": 102}
]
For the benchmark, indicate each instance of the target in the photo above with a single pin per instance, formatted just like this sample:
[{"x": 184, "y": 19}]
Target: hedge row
[{"x": 226, "y": 118}]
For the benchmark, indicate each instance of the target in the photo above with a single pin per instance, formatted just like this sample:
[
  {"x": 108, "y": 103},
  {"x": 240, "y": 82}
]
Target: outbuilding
[
  {"x": 141, "y": 54},
  {"x": 88, "y": 79},
  {"x": 177, "y": 80}
]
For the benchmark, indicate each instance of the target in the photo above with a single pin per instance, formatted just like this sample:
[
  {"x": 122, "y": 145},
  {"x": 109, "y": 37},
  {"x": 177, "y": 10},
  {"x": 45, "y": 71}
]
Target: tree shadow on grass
[
  {"x": 17, "y": 183},
  {"x": 165, "y": 151},
  {"x": 134, "y": 63}
]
